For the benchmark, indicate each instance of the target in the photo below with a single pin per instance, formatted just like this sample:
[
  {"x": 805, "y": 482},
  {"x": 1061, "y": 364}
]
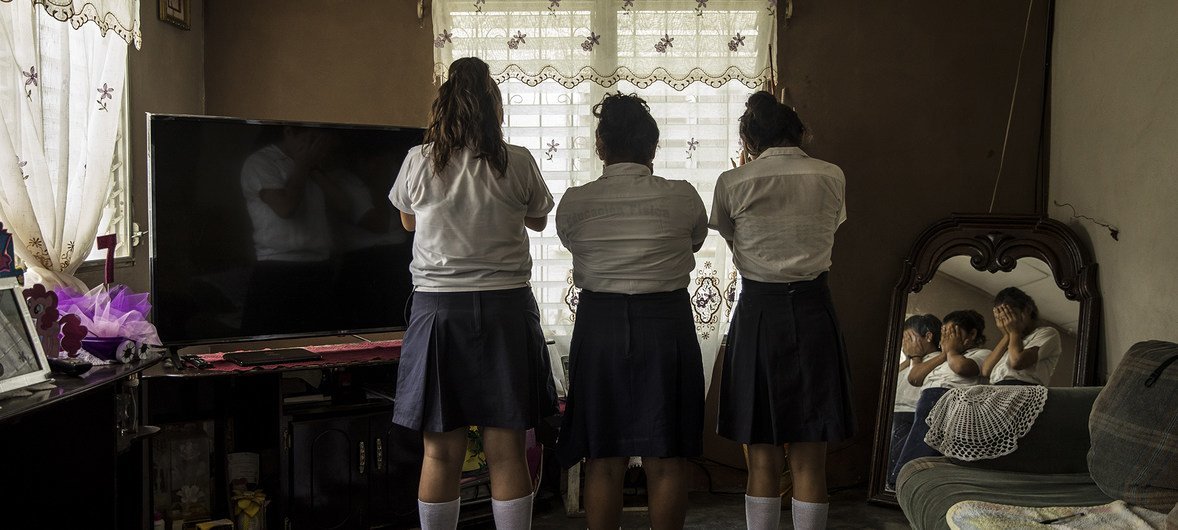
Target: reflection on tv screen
[{"x": 267, "y": 229}]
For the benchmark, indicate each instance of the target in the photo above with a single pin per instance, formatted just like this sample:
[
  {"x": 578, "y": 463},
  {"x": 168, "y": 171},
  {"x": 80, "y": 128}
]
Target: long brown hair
[{"x": 467, "y": 114}]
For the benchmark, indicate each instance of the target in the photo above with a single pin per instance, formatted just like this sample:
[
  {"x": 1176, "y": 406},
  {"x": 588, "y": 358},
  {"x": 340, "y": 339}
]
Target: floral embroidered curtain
[
  {"x": 61, "y": 97},
  {"x": 694, "y": 61}
]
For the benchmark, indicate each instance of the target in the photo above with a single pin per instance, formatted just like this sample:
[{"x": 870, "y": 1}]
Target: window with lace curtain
[
  {"x": 695, "y": 62},
  {"x": 64, "y": 176}
]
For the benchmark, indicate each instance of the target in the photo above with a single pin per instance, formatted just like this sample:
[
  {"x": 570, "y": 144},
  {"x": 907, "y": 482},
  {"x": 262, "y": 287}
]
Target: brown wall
[
  {"x": 910, "y": 98},
  {"x": 166, "y": 76},
  {"x": 334, "y": 61}
]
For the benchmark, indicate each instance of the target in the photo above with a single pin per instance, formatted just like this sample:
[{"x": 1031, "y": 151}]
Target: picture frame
[
  {"x": 22, "y": 358},
  {"x": 177, "y": 13}
]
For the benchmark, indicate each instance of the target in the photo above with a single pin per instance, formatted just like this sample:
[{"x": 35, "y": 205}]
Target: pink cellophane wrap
[{"x": 114, "y": 311}]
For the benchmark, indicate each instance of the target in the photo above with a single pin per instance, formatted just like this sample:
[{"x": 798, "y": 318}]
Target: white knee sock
[
  {"x": 809, "y": 515},
  {"x": 515, "y": 514},
  {"x": 762, "y": 513},
  {"x": 438, "y": 515}
]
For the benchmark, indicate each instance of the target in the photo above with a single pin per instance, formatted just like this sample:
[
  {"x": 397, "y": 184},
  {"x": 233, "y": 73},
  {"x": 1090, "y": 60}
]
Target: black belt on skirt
[{"x": 802, "y": 286}]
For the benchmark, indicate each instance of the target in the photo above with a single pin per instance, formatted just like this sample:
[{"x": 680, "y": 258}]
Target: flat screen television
[{"x": 265, "y": 229}]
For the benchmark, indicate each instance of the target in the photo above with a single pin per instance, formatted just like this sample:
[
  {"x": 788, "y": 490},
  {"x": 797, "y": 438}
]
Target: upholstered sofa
[{"x": 1127, "y": 452}]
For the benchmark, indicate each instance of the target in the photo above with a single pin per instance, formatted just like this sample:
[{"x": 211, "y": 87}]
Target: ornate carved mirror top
[{"x": 960, "y": 264}]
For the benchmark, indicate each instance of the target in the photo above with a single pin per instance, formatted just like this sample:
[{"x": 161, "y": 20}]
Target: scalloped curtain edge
[
  {"x": 105, "y": 22},
  {"x": 589, "y": 74}
]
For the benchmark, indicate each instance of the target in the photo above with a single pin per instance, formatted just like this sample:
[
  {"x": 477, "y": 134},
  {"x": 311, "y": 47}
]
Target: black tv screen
[{"x": 265, "y": 229}]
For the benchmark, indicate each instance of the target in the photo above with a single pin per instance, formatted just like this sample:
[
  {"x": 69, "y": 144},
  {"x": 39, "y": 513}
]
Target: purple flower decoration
[
  {"x": 691, "y": 145},
  {"x": 30, "y": 76},
  {"x": 664, "y": 43},
  {"x": 592, "y": 40},
  {"x": 517, "y": 40},
  {"x": 443, "y": 38},
  {"x": 21, "y": 164},
  {"x": 552, "y": 145},
  {"x": 700, "y": 6},
  {"x": 553, "y": 5},
  {"x": 736, "y": 42},
  {"x": 104, "y": 92},
  {"x": 627, "y": 5},
  {"x": 478, "y": 5}
]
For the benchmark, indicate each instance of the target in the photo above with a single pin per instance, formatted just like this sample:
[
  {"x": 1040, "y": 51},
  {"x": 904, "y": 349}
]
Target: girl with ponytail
[{"x": 785, "y": 378}]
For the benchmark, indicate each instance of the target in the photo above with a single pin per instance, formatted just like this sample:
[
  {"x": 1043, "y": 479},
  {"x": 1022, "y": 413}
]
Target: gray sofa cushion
[
  {"x": 1134, "y": 428},
  {"x": 1057, "y": 442},
  {"x": 928, "y": 487}
]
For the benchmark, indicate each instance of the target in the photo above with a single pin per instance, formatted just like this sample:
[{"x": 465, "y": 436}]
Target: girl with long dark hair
[{"x": 474, "y": 353}]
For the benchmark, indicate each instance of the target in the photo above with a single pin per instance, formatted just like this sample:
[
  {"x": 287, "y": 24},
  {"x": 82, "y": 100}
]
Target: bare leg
[
  {"x": 507, "y": 463},
  {"x": 603, "y": 492},
  {"x": 807, "y": 467},
  {"x": 766, "y": 463},
  {"x": 666, "y": 483},
  {"x": 441, "y": 468}
]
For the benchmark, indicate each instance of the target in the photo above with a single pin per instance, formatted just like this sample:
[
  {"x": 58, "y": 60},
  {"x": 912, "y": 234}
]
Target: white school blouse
[
  {"x": 1046, "y": 339},
  {"x": 780, "y": 212},
  {"x": 304, "y": 235},
  {"x": 631, "y": 232},
  {"x": 908, "y": 394},
  {"x": 470, "y": 225},
  {"x": 944, "y": 377}
]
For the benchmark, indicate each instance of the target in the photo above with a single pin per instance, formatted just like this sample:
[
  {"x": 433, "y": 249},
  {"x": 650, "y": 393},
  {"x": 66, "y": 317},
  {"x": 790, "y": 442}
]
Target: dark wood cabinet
[{"x": 351, "y": 469}]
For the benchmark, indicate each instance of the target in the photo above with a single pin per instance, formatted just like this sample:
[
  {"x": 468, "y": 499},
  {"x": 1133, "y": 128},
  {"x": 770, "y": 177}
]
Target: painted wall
[
  {"x": 336, "y": 61},
  {"x": 1114, "y": 128},
  {"x": 911, "y": 99},
  {"x": 166, "y": 76}
]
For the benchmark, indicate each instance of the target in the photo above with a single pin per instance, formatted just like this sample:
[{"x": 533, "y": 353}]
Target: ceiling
[{"x": 1031, "y": 275}]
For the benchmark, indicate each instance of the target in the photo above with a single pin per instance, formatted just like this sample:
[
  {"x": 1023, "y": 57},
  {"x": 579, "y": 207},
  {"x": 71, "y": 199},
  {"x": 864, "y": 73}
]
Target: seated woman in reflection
[
  {"x": 636, "y": 375},
  {"x": 1028, "y": 352},
  {"x": 921, "y": 341},
  {"x": 958, "y": 365}
]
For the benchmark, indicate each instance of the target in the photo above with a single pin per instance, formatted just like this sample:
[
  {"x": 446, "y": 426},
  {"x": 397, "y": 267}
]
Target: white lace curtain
[
  {"x": 61, "y": 97},
  {"x": 694, "y": 61}
]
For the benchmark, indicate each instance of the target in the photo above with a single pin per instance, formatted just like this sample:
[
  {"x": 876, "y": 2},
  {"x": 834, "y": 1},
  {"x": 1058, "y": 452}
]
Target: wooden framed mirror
[{"x": 960, "y": 262}]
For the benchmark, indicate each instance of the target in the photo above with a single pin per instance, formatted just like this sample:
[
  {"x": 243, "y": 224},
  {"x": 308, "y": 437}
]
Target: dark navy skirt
[
  {"x": 474, "y": 358},
  {"x": 785, "y": 375},
  {"x": 636, "y": 385}
]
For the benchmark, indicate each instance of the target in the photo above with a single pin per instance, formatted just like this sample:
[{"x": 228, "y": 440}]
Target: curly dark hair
[
  {"x": 1016, "y": 299},
  {"x": 767, "y": 123},
  {"x": 468, "y": 113},
  {"x": 626, "y": 132},
  {"x": 969, "y": 320}
]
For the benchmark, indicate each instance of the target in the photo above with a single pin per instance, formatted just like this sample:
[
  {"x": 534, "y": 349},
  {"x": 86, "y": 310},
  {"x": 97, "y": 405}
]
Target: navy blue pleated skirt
[
  {"x": 636, "y": 383},
  {"x": 785, "y": 377},
  {"x": 474, "y": 358}
]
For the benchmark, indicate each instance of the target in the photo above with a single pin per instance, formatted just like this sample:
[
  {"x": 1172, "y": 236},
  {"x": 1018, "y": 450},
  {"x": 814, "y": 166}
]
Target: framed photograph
[
  {"x": 22, "y": 359},
  {"x": 177, "y": 12}
]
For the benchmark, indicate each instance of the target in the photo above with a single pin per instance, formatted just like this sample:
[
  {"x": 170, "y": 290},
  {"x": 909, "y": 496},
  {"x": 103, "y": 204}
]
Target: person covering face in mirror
[
  {"x": 785, "y": 377},
  {"x": 636, "y": 375},
  {"x": 920, "y": 341},
  {"x": 474, "y": 352},
  {"x": 957, "y": 365},
  {"x": 1028, "y": 351}
]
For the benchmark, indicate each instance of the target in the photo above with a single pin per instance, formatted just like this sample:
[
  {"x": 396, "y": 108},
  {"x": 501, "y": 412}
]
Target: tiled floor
[{"x": 724, "y": 507}]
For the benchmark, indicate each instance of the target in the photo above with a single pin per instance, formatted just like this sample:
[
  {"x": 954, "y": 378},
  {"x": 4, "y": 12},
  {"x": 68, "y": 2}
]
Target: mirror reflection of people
[
  {"x": 474, "y": 352},
  {"x": 1028, "y": 351},
  {"x": 636, "y": 374},
  {"x": 292, "y": 241},
  {"x": 785, "y": 377},
  {"x": 921, "y": 340},
  {"x": 957, "y": 365}
]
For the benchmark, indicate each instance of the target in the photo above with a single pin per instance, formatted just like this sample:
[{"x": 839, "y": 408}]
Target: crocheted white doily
[{"x": 983, "y": 422}]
